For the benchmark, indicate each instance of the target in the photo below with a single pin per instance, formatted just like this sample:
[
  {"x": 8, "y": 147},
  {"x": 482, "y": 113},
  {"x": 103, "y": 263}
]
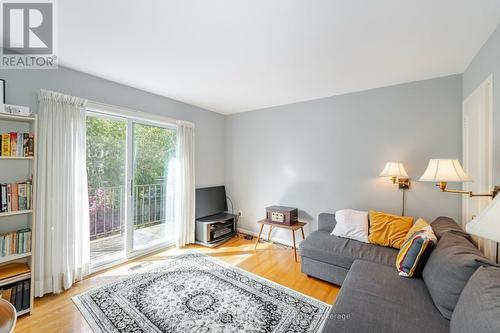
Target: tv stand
[{"x": 215, "y": 229}]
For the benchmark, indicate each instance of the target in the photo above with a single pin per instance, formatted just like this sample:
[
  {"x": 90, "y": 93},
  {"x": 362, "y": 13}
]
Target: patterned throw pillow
[
  {"x": 420, "y": 224},
  {"x": 413, "y": 251}
]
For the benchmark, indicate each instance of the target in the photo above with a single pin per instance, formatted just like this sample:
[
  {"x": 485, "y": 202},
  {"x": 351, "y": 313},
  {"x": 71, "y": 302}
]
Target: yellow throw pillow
[
  {"x": 420, "y": 224},
  {"x": 388, "y": 230}
]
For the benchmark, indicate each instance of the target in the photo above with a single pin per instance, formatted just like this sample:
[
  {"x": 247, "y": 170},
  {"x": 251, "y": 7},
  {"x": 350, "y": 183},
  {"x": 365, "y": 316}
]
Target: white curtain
[
  {"x": 62, "y": 214},
  {"x": 185, "y": 185},
  {"x": 170, "y": 191}
]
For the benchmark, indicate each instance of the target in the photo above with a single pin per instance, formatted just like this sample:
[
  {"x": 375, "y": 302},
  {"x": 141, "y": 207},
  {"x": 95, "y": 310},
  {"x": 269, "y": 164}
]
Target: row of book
[
  {"x": 18, "y": 294},
  {"x": 17, "y": 144},
  {"x": 15, "y": 242},
  {"x": 16, "y": 196}
]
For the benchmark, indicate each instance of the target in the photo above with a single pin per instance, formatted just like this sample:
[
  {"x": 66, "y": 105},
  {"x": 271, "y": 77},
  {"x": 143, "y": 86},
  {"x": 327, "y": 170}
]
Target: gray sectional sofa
[
  {"x": 329, "y": 257},
  {"x": 374, "y": 298}
]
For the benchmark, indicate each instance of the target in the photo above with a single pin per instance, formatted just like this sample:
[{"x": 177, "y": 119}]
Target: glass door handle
[{"x": 131, "y": 187}]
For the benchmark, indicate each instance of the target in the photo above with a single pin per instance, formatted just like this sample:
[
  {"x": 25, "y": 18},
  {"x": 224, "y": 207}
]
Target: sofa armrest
[{"x": 326, "y": 221}]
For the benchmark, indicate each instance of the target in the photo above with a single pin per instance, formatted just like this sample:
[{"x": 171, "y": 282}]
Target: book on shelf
[
  {"x": 6, "y": 294},
  {"x": 13, "y": 144},
  {"x": 29, "y": 189},
  {"x": 26, "y": 295},
  {"x": 28, "y": 147},
  {"x": 18, "y": 294},
  {"x": 16, "y": 144},
  {"x": 15, "y": 242},
  {"x": 5, "y": 144},
  {"x": 3, "y": 198},
  {"x": 9, "y": 197},
  {"x": 21, "y": 193},
  {"x": 15, "y": 197}
]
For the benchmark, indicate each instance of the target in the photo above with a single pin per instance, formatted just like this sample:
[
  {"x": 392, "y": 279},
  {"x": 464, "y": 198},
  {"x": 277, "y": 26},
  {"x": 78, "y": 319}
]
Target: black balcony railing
[{"x": 107, "y": 209}]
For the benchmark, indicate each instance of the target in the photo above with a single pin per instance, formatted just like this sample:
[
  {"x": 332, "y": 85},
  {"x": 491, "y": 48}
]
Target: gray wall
[
  {"x": 485, "y": 63},
  {"x": 22, "y": 85},
  {"x": 320, "y": 155},
  {"x": 324, "y": 155}
]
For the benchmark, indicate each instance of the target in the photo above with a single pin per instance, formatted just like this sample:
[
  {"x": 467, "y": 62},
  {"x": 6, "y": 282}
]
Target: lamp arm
[
  {"x": 457, "y": 191},
  {"x": 492, "y": 194}
]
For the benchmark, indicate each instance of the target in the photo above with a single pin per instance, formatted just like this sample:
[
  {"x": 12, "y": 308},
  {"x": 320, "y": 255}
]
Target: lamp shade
[
  {"x": 444, "y": 170},
  {"x": 487, "y": 223},
  {"x": 394, "y": 169}
]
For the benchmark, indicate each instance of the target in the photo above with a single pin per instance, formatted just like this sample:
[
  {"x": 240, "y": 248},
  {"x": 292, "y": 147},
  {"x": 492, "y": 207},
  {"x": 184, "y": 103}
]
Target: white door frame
[{"x": 489, "y": 83}]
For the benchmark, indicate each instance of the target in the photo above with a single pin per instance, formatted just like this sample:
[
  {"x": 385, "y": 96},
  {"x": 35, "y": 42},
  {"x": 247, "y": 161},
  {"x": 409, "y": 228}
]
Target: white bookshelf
[
  {"x": 14, "y": 257},
  {"x": 18, "y": 169},
  {"x": 15, "y": 158},
  {"x": 17, "y": 212}
]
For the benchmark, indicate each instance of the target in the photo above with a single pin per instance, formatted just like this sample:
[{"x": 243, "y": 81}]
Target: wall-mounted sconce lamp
[
  {"x": 397, "y": 173},
  {"x": 444, "y": 171}
]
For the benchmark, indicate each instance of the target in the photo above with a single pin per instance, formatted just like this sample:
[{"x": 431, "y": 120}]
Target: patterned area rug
[{"x": 198, "y": 293}]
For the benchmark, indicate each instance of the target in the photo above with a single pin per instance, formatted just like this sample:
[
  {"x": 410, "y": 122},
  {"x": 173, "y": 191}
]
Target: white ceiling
[{"x": 233, "y": 56}]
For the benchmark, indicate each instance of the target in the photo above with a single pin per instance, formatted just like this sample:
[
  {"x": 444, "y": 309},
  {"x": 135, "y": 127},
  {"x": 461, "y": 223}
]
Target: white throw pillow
[{"x": 351, "y": 224}]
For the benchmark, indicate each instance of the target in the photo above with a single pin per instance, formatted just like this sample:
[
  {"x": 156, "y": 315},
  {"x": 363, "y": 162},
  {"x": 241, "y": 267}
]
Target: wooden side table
[{"x": 272, "y": 225}]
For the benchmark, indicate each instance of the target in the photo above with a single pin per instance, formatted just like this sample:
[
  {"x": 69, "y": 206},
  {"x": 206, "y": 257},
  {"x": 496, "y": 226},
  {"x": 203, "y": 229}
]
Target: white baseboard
[{"x": 273, "y": 239}]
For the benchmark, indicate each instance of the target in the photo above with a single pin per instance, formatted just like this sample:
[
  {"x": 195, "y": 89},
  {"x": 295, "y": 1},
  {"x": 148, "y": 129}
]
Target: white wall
[
  {"x": 22, "y": 85},
  {"x": 324, "y": 155}
]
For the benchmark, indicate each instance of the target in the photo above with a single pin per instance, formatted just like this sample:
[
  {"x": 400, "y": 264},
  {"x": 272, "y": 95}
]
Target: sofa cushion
[
  {"x": 442, "y": 225},
  {"x": 374, "y": 298},
  {"x": 388, "y": 229},
  {"x": 478, "y": 308},
  {"x": 448, "y": 269},
  {"x": 322, "y": 246}
]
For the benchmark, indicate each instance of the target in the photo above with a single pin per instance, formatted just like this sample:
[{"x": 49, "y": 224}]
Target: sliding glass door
[
  {"x": 131, "y": 180},
  {"x": 106, "y": 173},
  {"x": 153, "y": 185}
]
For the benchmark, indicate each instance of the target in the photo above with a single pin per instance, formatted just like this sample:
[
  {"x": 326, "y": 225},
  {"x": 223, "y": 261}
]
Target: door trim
[{"x": 489, "y": 82}]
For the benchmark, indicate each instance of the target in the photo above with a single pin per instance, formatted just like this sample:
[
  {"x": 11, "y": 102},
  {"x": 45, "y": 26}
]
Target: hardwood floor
[{"x": 57, "y": 313}]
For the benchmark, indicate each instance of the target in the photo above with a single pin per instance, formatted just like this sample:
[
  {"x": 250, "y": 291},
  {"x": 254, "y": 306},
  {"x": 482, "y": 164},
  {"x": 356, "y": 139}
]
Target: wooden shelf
[
  {"x": 14, "y": 257},
  {"x": 15, "y": 279},
  {"x": 9, "y": 117},
  {"x": 16, "y": 212},
  {"x": 16, "y": 158}
]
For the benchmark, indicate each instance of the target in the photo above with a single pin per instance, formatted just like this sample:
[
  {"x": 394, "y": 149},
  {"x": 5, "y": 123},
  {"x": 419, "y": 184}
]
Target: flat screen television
[{"x": 210, "y": 201}]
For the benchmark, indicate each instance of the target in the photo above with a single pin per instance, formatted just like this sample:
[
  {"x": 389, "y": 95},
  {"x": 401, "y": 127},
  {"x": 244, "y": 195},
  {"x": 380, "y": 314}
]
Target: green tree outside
[{"x": 106, "y": 151}]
